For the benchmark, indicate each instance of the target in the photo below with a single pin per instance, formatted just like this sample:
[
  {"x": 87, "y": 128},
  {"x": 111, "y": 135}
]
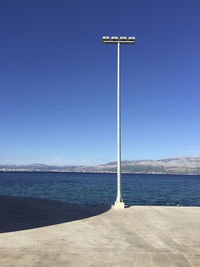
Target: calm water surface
[{"x": 98, "y": 189}]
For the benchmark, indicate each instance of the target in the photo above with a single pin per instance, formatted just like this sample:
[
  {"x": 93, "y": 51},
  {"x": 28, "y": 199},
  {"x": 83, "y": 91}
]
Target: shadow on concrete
[{"x": 21, "y": 213}]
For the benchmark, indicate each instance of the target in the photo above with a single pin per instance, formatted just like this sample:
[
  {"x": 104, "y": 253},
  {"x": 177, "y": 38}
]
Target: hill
[{"x": 176, "y": 165}]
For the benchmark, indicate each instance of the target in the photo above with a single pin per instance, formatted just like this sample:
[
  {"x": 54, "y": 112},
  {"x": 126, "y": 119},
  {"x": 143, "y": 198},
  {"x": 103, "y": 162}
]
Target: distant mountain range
[{"x": 177, "y": 165}]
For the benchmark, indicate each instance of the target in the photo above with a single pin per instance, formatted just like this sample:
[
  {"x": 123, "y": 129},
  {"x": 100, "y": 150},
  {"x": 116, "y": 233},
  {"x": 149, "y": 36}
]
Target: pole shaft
[{"x": 119, "y": 199}]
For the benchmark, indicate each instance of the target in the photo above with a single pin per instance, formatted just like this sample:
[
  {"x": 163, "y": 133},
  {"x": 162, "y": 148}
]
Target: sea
[{"x": 94, "y": 189}]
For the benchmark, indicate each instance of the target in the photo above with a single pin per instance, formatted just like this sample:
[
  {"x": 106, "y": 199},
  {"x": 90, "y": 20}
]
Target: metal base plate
[{"x": 118, "y": 205}]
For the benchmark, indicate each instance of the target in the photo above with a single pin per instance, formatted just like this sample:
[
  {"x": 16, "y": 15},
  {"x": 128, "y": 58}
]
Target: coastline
[{"x": 100, "y": 172}]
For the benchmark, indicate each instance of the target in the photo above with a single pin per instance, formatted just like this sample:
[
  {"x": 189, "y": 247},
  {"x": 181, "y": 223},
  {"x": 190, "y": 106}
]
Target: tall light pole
[{"x": 115, "y": 40}]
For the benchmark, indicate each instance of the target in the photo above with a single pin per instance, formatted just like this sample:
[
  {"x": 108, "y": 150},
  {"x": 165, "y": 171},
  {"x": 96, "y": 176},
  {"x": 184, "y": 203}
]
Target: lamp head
[{"x": 114, "y": 38}]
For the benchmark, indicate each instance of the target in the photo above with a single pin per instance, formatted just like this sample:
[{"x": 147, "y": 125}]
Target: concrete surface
[{"x": 136, "y": 236}]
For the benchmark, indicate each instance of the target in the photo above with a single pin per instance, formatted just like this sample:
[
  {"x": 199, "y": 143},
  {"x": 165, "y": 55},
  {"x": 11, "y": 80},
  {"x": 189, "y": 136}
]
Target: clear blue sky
[{"x": 58, "y": 81}]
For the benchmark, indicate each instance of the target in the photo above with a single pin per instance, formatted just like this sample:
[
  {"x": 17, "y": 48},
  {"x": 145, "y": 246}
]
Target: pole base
[{"x": 119, "y": 205}]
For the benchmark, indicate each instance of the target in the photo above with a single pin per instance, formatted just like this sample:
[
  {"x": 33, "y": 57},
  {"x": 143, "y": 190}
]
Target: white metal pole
[
  {"x": 115, "y": 40},
  {"x": 119, "y": 198}
]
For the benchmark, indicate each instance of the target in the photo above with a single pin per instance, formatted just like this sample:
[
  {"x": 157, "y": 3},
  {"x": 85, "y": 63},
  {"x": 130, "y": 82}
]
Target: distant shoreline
[
  {"x": 185, "y": 165},
  {"x": 134, "y": 173}
]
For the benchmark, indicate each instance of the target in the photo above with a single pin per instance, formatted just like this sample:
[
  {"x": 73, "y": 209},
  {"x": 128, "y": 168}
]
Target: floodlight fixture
[
  {"x": 131, "y": 38},
  {"x": 118, "y": 40},
  {"x": 114, "y": 38},
  {"x": 123, "y": 38},
  {"x": 106, "y": 38}
]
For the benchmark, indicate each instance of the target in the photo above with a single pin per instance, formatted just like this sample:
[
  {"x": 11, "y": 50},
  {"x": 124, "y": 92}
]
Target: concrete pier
[{"x": 136, "y": 236}]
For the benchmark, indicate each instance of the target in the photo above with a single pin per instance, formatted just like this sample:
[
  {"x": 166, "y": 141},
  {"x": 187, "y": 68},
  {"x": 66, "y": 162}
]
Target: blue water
[{"x": 98, "y": 189}]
